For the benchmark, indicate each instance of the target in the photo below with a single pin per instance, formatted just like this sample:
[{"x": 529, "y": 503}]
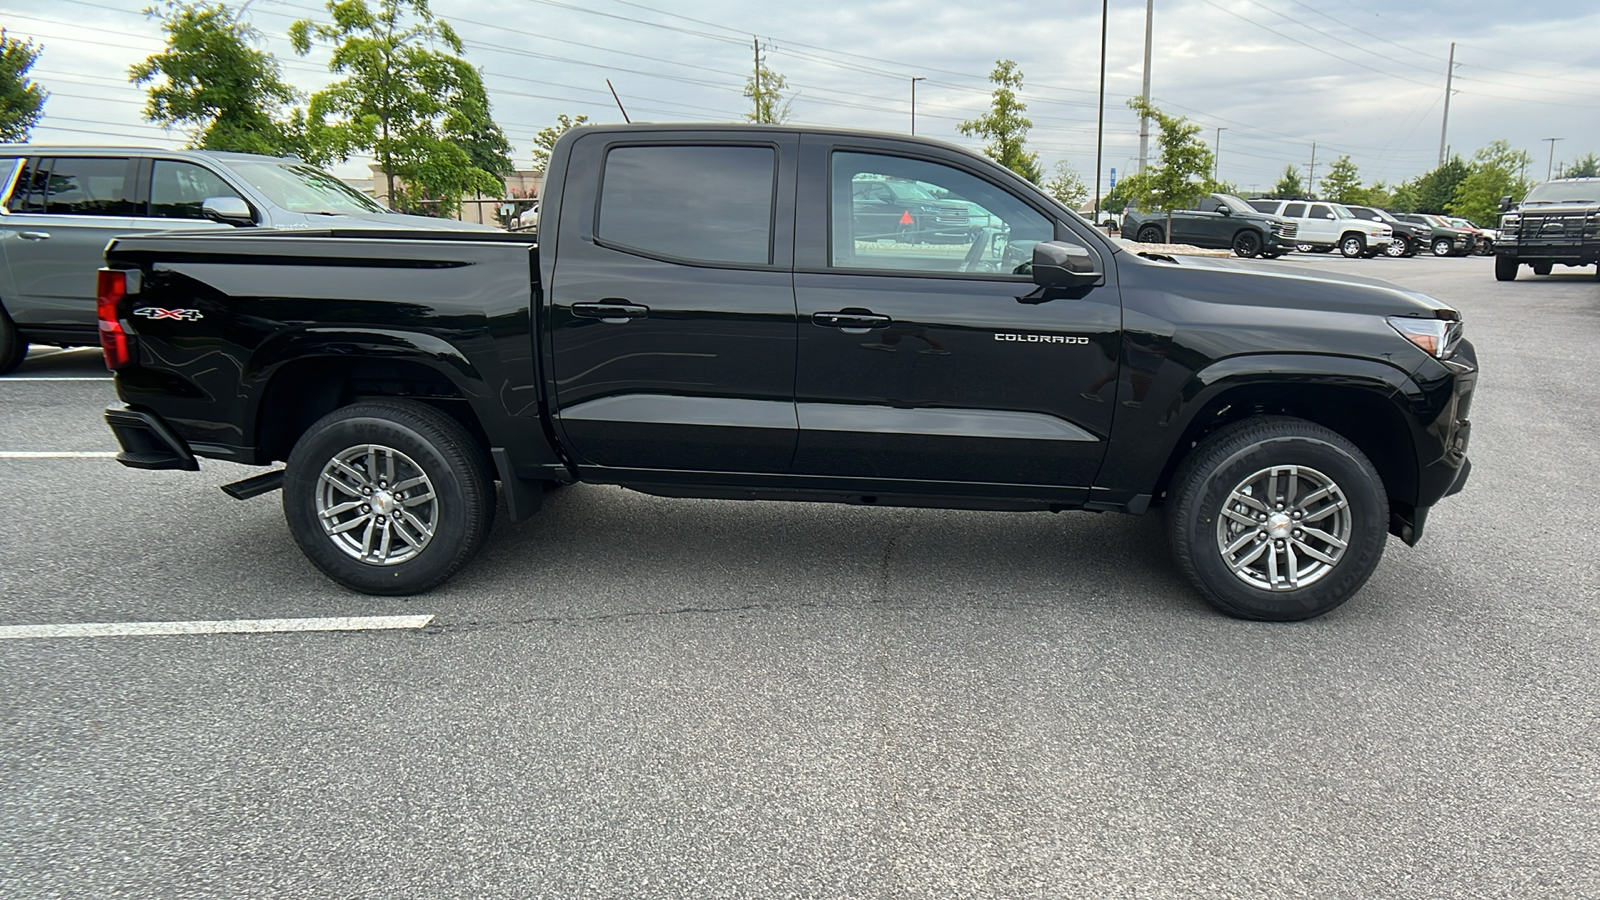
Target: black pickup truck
[
  {"x": 1558, "y": 222},
  {"x": 700, "y": 318}
]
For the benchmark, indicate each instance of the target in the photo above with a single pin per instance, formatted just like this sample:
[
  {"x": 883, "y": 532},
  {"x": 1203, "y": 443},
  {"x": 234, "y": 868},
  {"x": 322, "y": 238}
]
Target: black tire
[
  {"x": 1352, "y": 246},
  {"x": 1225, "y": 462},
  {"x": 1399, "y": 247},
  {"x": 461, "y": 508},
  {"x": 1542, "y": 268},
  {"x": 1441, "y": 247},
  {"x": 1271, "y": 254},
  {"x": 1505, "y": 268},
  {"x": 907, "y": 234},
  {"x": 1150, "y": 234},
  {"x": 1247, "y": 244},
  {"x": 13, "y": 349}
]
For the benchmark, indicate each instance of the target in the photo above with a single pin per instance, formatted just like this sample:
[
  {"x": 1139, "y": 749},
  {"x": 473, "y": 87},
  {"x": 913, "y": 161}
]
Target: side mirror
[
  {"x": 1328, "y": 216},
  {"x": 1505, "y": 203},
  {"x": 1225, "y": 210},
  {"x": 228, "y": 210},
  {"x": 1058, "y": 264}
]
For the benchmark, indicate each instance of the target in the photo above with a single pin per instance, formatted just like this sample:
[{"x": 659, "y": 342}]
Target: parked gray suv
[{"x": 59, "y": 206}]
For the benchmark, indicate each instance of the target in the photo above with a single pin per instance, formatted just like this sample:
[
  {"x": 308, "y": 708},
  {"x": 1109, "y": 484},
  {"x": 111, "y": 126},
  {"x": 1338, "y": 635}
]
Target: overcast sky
[{"x": 1360, "y": 77}]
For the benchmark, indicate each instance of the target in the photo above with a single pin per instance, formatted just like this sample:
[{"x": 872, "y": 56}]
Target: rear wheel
[
  {"x": 1277, "y": 518},
  {"x": 388, "y": 497},
  {"x": 13, "y": 349},
  {"x": 1441, "y": 247},
  {"x": 1352, "y": 246},
  {"x": 1150, "y": 234},
  {"x": 1247, "y": 244},
  {"x": 1505, "y": 268}
]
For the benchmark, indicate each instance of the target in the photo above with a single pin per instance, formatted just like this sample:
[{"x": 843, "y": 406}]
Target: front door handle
[
  {"x": 35, "y": 235},
  {"x": 852, "y": 320},
  {"x": 613, "y": 311}
]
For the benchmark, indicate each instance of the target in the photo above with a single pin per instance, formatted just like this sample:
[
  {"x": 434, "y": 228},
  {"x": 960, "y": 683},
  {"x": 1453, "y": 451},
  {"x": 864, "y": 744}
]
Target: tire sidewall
[
  {"x": 452, "y": 530},
  {"x": 1214, "y": 481},
  {"x": 1348, "y": 241},
  {"x": 1247, "y": 245}
]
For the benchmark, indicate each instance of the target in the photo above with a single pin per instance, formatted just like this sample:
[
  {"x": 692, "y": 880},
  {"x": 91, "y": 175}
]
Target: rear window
[
  {"x": 1266, "y": 206},
  {"x": 1295, "y": 211},
  {"x": 700, "y": 203}
]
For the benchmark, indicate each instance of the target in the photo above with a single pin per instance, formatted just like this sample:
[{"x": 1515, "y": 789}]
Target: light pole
[
  {"x": 1552, "y": 164},
  {"x": 1216, "y": 159},
  {"x": 914, "y": 103},
  {"x": 1100, "y": 126}
]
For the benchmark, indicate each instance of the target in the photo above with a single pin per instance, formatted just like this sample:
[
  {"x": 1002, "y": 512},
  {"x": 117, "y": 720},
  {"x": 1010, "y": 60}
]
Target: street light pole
[
  {"x": 1216, "y": 158},
  {"x": 1100, "y": 127},
  {"x": 914, "y": 103},
  {"x": 1552, "y": 164}
]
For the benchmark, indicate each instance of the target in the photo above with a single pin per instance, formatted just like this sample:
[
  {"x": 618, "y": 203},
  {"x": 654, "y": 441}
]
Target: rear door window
[
  {"x": 179, "y": 189},
  {"x": 1321, "y": 211},
  {"x": 28, "y": 195},
  {"x": 692, "y": 203},
  {"x": 1295, "y": 211},
  {"x": 90, "y": 186}
]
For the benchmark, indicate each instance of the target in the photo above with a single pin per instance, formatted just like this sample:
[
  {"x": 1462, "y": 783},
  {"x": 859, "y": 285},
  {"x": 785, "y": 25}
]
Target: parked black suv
[
  {"x": 1409, "y": 237},
  {"x": 1444, "y": 239},
  {"x": 1220, "y": 221},
  {"x": 1558, "y": 222}
]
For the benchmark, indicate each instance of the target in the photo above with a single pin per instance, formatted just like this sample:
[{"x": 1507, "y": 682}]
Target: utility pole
[
  {"x": 1144, "y": 122},
  {"x": 1216, "y": 156},
  {"x": 757, "y": 42},
  {"x": 1100, "y": 127},
  {"x": 914, "y": 103},
  {"x": 1311, "y": 174},
  {"x": 1449, "y": 78},
  {"x": 1552, "y": 164}
]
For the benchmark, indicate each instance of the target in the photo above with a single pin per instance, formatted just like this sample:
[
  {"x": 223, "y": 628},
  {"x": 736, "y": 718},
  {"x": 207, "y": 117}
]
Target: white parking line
[
  {"x": 58, "y": 454},
  {"x": 225, "y": 626}
]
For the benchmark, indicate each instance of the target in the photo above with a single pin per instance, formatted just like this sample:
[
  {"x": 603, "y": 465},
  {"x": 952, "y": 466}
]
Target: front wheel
[
  {"x": 1441, "y": 247},
  {"x": 13, "y": 349},
  {"x": 1505, "y": 268},
  {"x": 1352, "y": 246},
  {"x": 1278, "y": 519},
  {"x": 1247, "y": 245},
  {"x": 388, "y": 497},
  {"x": 1397, "y": 248},
  {"x": 1303, "y": 248},
  {"x": 1150, "y": 234}
]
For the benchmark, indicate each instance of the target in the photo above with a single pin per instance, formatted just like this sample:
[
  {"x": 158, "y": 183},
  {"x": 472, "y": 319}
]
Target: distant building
[{"x": 522, "y": 185}]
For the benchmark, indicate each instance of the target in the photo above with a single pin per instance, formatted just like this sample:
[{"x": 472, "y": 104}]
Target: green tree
[
  {"x": 1495, "y": 173},
  {"x": 211, "y": 80},
  {"x": 1182, "y": 176},
  {"x": 1004, "y": 126},
  {"x": 1342, "y": 184},
  {"x": 1429, "y": 193},
  {"x": 1587, "y": 166},
  {"x": 1289, "y": 187},
  {"x": 408, "y": 98},
  {"x": 545, "y": 141},
  {"x": 21, "y": 98},
  {"x": 1067, "y": 185},
  {"x": 765, "y": 90}
]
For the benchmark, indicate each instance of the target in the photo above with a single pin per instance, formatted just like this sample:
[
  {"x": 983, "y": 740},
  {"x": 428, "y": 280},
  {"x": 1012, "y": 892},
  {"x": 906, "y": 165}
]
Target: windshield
[
  {"x": 1234, "y": 203},
  {"x": 1438, "y": 221},
  {"x": 1366, "y": 212},
  {"x": 905, "y": 190},
  {"x": 1584, "y": 191},
  {"x": 300, "y": 188},
  {"x": 1342, "y": 212},
  {"x": 1462, "y": 223}
]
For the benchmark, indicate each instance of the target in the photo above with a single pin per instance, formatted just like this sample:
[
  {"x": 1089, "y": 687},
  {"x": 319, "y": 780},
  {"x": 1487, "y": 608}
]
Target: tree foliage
[
  {"x": 1004, "y": 126},
  {"x": 21, "y": 98},
  {"x": 1342, "y": 184},
  {"x": 1182, "y": 176},
  {"x": 1433, "y": 191},
  {"x": 1495, "y": 172},
  {"x": 545, "y": 141},
  {"x": 408, "y": 98},
  {"x": 1587, "y": 166},
  {"x": 1289, "y": 187},
  {"x": 1067, "y": 185},
  {"x": 765, "y": 90},
  {"x": 211, "y": 80}
]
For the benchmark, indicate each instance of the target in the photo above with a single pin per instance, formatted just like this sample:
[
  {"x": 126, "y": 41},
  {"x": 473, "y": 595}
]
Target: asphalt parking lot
[{"x": 638, "y": 697}]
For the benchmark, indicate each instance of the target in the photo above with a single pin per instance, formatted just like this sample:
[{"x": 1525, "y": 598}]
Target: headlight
[
  {"x": 1510, "y": 221},
  {"x": 1437, "y": 337}
]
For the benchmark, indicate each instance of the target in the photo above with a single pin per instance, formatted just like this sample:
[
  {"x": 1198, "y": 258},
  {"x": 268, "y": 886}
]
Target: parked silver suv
[{"x": 59, "y": 206}]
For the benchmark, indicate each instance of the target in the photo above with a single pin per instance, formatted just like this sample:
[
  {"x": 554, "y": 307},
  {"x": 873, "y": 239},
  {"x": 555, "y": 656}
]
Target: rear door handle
[
  {"x": 852, "y": 321},
  {"x": 613, "y": 311},
  {"x": 35, "y": 235}
]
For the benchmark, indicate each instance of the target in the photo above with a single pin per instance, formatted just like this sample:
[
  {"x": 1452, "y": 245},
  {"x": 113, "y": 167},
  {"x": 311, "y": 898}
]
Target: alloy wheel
[
  {"x": 1284, "y": 528},
  {"x": 376, "y": 504}
]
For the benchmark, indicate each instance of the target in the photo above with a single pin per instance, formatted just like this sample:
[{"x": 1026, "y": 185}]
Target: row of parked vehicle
[{"x": 1270, "y": 228}]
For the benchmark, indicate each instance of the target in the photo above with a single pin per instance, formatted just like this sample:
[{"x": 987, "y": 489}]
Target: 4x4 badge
[{"x": 156, "y": 312}]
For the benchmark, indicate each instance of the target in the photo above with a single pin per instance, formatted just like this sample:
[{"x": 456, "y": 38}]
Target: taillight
[{"x": 114, "y": 338}]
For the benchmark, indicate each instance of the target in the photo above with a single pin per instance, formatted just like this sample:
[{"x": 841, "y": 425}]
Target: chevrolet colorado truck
[
  {"x": 1558, "y": 222},
  {"x": 705, "y": 314}
]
